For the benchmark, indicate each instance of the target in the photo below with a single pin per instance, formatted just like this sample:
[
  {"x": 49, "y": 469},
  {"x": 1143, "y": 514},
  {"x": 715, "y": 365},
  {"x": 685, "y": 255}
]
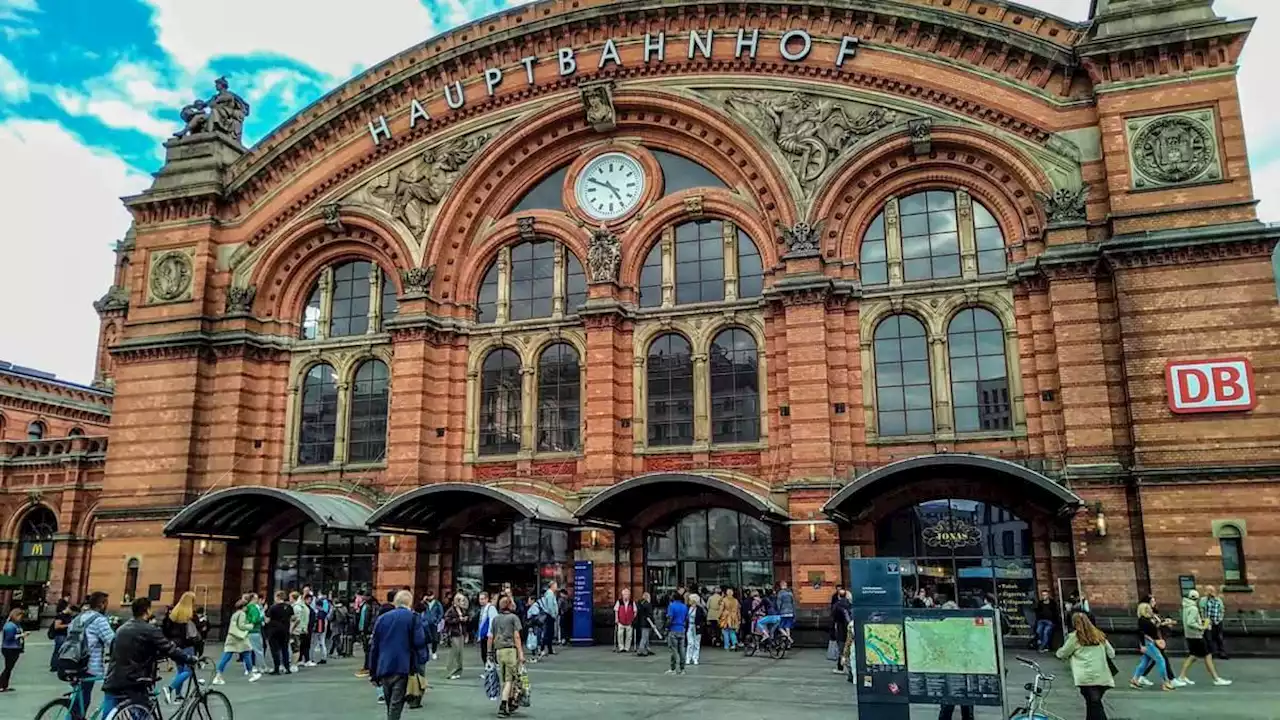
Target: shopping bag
[
  {"x": 492, "y": 685},
  {"x": 833, "y": 650},
  {"x": 415, "y": 689},
  {"x": 526, "y": 694},
  {"x": 531, "y": 644}
]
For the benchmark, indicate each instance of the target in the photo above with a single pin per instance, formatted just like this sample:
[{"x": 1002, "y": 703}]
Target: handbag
[
  {"x": 833, "y": 650},
  {"x": 1111, "y": 665}
]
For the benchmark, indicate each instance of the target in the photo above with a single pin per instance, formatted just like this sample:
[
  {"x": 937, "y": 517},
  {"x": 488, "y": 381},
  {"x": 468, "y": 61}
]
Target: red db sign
[{"x": 1205, "y": 386}]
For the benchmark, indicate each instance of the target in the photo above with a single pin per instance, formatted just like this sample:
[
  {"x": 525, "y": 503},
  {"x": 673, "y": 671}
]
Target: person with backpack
[
  {"x": 320, "y": 610},
  {"x": 88, "y": 637},
  {"x": 58, "y": 631}
]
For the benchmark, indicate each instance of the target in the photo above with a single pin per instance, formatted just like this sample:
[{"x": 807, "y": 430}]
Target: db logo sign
[{"x": 1206, "y": 386}]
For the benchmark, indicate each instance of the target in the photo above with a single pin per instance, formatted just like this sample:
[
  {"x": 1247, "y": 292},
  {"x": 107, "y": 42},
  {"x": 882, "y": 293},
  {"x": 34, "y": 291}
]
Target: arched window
[
  {"x": 319, "y": 419},
  {"x": 131, "y": 579},
  {"x": 533, "y": 272},
  {"x": 699, "y": 262},
  {"x": 1231, "y": 542},
  {"x": 670, "y": 395},
  {"x": 575, "y": 288},
  {"x": 35, "y": 430},
  {"x": 651, "y": 278},
  {"x": 559, "y": 398},
  {"x": 989, "y": 241},
  {"x": 35, "y": 545},
  {"x": 541, "y": 277},
  {"x": 548, "y": 194},
  {"x": 346, "y": 292},
  {"x": 735, "y": 387},
  {"x": 750, "y": 269},
  {"x": 76, "y": 432},
  {"x": 487, "y": 302},
  {"x": 367, "y": 438},
  {"x": 352, "y": 288},
  {"x": 979, "y": 374},
  {"x": 873, "y": 262},
  {"x": 904, "y": 400},
  {"x": 930, "y": 238},
  {"x": 681, "y": 173},
  {"x": 500, "y": 398}
]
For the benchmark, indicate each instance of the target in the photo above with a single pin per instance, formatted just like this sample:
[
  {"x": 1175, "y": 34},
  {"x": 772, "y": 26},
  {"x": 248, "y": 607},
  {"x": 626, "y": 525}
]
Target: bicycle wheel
[
  {"x": 776, "y": 651},
  {"x": 749, "y": 648},
  {"x": 55, "y": 710},
  {"x": 132, "y": 711},
  {"x": 213, "y": 705}
]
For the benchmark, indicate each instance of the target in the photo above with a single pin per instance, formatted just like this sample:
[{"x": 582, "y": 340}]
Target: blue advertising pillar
[{"x": 584, "y": 587}]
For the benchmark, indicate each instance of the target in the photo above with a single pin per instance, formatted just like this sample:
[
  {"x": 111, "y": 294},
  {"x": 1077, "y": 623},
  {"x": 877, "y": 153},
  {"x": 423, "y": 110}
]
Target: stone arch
[
  {"x": 539, "y": 342},
  {"x": 514, "y": 161},
  {"x": 15, "y": 520},
  {"x": 351, "y": 365},
  {"x": 993, "y": 171},
  {"x": 547, "y": 225}
]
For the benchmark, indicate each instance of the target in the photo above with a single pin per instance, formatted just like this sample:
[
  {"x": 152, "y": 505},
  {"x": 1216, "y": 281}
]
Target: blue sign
[{"x": 584, "y": 586}]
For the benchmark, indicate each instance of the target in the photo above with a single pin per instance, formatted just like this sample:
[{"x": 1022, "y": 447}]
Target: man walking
[
  {"x": 1215, "y": 612},
  {"x": 549, "y": 609},
  {"x": 624, "y": 614},
  {"x": 279, "y": 620},
  {"x": 93, "y": 626},
  {"x": 506, "y": 651},
  {"x": 397, "y": 640},
  {"x": 1194, "y": 627},
  {"x": 320, "y": 609},
  {"x": 786, "y": 608},
  {"x": 1046, "y": 619},
  {"x": 644, "y": 621},
  {"x": 677, "y": 619}
]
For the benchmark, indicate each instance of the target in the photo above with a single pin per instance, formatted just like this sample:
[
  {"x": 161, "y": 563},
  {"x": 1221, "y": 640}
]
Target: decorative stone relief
[
  {"x": 801, "y": 238},
  {"x": 604, "y": 256},
  {"x": 693, "y": 205},
  {"x": 921, "y": 132},
  {"x": 170, "y": 274},
  {"x": 116, "y": 298},
  {"x": 597, "y": 104},
  {"x": 525, "y": 226},
  {"x": 412, "y": 192},
  {"x": 417, "y": 281},
  {"x": 811, "y": 131},
  {"x": 333, "y": 217},
  {"x": 240, "y": 299},
  {"x": 1174, "y": 149},
  {"x": 1064, "y": 205},
  {"x": 222, "y": 114}
]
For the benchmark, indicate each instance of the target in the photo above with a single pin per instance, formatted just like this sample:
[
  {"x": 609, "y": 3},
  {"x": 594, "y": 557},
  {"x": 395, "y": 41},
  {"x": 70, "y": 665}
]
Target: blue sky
[{"x": 90, "y": 88}]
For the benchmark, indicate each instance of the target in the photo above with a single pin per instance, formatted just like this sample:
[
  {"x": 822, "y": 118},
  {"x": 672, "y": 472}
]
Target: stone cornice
[
  {"x": 192, "y": 344},
  {"x": 136, "y": 514}
]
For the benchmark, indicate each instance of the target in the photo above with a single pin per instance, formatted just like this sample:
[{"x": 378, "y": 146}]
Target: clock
[{"x": 610, "y": 186}]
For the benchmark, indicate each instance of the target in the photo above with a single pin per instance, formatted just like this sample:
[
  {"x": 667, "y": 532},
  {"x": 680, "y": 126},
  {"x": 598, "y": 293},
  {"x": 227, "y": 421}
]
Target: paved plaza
[{"x": 594, "y": 684}]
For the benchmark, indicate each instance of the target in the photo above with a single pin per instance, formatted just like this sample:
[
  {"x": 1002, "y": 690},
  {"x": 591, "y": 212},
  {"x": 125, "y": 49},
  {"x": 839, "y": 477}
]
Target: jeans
[
  {"x": 184, "y": 672},
  {"x": 624, "y": 635},
  {"x": 109, "y": 701},
  {"x": 694, "y": 653},
  {"x": 245, "y": 657},
  {"x": 393, "y": 690},
  {"x": 1093, "y": 709},
  {"x": 1044, "y": 633},
  {"x": 730, "y": 638},
  {"x": 80, "y": 710},
  {"x": 548, "y": 636},
  {"x": 319, "y": 649},
  {"x": 304, "y": 647},
  {"x": 259, "y": 652},
  {"x": 1151, "y": 655},
  {"x": 676, "y": 643},
  {"x": 947, "y": 712},
  {"x": 643, "y": 647},
  {"x": 1146, "y": 664}
]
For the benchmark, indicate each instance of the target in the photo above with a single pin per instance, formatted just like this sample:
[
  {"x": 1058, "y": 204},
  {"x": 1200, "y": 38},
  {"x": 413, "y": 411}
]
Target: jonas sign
[{"x": 1211, "y": 386}]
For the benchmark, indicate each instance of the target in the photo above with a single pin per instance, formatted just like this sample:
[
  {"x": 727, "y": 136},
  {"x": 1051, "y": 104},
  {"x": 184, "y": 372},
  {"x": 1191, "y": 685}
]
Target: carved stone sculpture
[
  {"x": 411, "y": 192},
  {"x": 1064, "y": 205},
  {"x": 801, "y": 238},
  {"x": 170, "y": 277},
  {"x": 812, "y": 130},
  {"x": 240, "y": 299},
  {"x": 525, "y": 226},
  {"x": 604, "y": 256},
  {"x": 116, "y": 298},
  {"x": 597, "y": 103},
  {"x": 921, "y": 132},
  {"x": 417, "y": 281},
  {"x": 333, "y": 217},
  {"x": 224, "y": 114},
  {"x": 1174, "y": 149}
]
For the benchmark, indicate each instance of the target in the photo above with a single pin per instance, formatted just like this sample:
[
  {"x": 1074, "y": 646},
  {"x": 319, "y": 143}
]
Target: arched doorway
[
  {"x": 713, "y": 547},
  {"x": 337, "y": 563},
  {"x": 33, "y": 567}
]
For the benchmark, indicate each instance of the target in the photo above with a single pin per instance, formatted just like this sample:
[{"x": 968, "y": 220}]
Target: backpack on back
[{"x": 73, "y": 658}]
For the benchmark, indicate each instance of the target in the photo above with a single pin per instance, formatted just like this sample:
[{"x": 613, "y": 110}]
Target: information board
[
  {"x": 952, "y": 657},
  {"x": 584, "y": 586},
  {"x": 879, "y": 650}
]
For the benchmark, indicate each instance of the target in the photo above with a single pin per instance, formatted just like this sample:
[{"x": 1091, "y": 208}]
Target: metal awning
[
  {"x": 240, "y": 512},
  {"x": 460, "y": 506},
  {"x": 619, "y": 503}
]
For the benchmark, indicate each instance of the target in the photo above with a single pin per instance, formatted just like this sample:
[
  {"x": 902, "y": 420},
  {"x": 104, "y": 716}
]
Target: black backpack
[{"x": 73, "y": 657}]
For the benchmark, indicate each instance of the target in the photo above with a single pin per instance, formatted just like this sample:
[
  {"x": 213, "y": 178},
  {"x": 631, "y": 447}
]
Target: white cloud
[
  {"x": 336, "y": 39},
  {"x": 112, "y": 112},
  {"x": 62, "y": 212},
  {"x": 13, "y": 86}
]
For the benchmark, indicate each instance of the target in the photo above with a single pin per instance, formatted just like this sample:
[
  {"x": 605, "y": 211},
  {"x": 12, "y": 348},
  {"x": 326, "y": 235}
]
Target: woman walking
[
  {"x": 14, "y": 641},
  {"x": 1152, "y": 648},
  {"x": 180, "y": 627},
  {"x": 254, "y": 615},
  {"x": 455, "y": 631},
  {"x": 730, "y": 617},
  {"x": 697, "y": 621},
  {"x": 1090, "y": 654},
  {"x": 237, "y": 642}
]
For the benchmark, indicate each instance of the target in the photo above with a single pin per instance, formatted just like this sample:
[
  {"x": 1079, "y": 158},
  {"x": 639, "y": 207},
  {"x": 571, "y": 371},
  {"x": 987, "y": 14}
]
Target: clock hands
[{"x": 610, "y": 187}]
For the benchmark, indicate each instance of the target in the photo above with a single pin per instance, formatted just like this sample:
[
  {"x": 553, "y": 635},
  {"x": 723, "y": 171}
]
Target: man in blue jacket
[
  {"x": 786, "y": 608},
  {"x": 398, "y": 639}
]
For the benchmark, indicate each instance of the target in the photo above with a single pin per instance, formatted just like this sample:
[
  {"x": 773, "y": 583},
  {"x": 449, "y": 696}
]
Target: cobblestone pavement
[{"x": 595, "y": 684}]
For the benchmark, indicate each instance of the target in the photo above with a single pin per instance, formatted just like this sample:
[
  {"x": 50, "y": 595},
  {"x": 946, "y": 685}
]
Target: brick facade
[{"x": 1110, "y": 275}]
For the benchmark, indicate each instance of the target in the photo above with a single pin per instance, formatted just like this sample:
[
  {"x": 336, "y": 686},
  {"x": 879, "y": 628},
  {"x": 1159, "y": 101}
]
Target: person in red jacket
[{"x": 624, "y": 614}]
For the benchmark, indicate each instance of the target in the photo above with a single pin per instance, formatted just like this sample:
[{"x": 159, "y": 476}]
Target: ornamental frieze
[
  {"x": 170, "y": 275},
  {"x": 1174, "y": 149}
]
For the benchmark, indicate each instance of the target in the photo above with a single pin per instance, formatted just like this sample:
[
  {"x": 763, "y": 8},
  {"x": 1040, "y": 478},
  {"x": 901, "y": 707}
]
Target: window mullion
[
  {"x": 504, "y": 285},
  {"x": 701, "y": 401},
  {"x": 668, "y": 267},
  {"x": 940, "y": 379},
  {"x": 558, "y": 282},
  {"x": 326, "y": 303},
  {"x": 893, "y": 241},
  {"x": 375, "y": 298},
  {"x": 340, "y": 432},
  {"x": 528, "y": 408},
  {"x": 730, "y": 260},
  {"x": 968, "y": 243}
]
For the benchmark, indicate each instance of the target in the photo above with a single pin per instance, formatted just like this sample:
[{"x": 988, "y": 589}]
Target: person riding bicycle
[
  {"x": 91, "y": 628},
  {"x": 138, "y": 647},
  {"x": 766, "y": 625}
]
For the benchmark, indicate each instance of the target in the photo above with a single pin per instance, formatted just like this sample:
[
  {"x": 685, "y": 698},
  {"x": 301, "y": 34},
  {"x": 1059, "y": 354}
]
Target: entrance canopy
[
  {"x": 238, "y": 513},
  {"x": 1017, "y": 480},
  {"x": 461, "y": 506},
  {"x": 618, "y": 504}
]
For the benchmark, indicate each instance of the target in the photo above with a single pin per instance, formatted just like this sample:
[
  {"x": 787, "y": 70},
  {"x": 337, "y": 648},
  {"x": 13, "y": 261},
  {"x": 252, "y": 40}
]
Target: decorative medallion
[
  {"x": 170, "y": 276},
  {"x": 1174, "y": 149},
  {"x": 800, "y": 239},
  {"x": 1065, "y": 205},
  {"x": 953, "y": 534}
]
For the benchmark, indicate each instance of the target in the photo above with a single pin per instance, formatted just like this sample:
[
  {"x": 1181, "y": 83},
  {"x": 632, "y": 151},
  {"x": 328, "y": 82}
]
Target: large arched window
[
  {"x": 319, "y": 419},
  {"x": 699, "y": 262},
  {"x": 651, "y": 278},
  {"x": 735, "y": 387},
  {"x": 670, "y": 391},
  {"x": 904, "y": 400},
  {"x": 928, "y": 231},
  {"x": 542, "y": 279},
  {"x": 979, "y": 374},
  {"x": 500, "y": 398},
  {"x": 559, "y": 398},
  {"x": 35, "y": 546},
  {"x": 75, "y": 432},
  {"x": 345, "y": 294},
  {"x": 367, "y": 438},
  {"x": 702, "y": 272},
  {"x": 35, "y": 430},
  {"x": 930, "y": 236}
]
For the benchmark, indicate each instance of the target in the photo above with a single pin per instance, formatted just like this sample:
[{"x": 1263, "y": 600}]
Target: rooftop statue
[{"x": 223, "y": 114}]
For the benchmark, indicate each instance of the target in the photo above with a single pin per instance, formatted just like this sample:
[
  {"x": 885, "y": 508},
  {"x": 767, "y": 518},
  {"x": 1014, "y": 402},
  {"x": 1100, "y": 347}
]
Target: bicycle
[
  {"x": 198, "y": 703},
  {"x": 1037, "y": 691},
  {"x": 777, "y": 647},
  {"x": 60, "y": 708}
]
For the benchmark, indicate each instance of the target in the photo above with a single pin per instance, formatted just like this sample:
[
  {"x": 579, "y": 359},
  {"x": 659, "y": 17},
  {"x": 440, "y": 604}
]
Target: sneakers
[
  {"x": 455, "y": 676},
  {"x": 1179, "y": 682},
  {"x": 837, "y": 671},
  {"x": 680, "y": 673},
  {"x": 1145, "y": 682},
  {"x": 1188, "y": 681},
  {"x": 362, "y": 673},
  {"x": 217, "y": 680},
  {"x": 1221, "y": 681},
  {"x": 311, "y": 663},
  {"x": 669, "y": 672},
  {"x": 168, "y": 695},
  {"x": 255, "y": 677}
]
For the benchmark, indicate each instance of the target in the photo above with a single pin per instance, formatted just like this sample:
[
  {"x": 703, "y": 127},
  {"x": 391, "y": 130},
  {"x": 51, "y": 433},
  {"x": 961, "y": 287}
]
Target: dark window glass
[
  {"x": 487, "y": 301},
  {"x": 930, "y": 239},
  {"x": 555, "y": 545},
  {"x": 979, "y": 382},
  {"x": 904, "y": 400},
  {"x": 533, "y": 271},
  {"x": 670, "y": 406},
  {"x": 368, "y": 436},
  {"x": 735, "y": 387},
  {"x": 757, "y": 539},
  {"x": 351, "y": 289},
  {"x": 131, "y": 580},
  {"x": 750, "y": 269},
  {"x": 575, "y": 283},
  {"x": 1232, "y": 555},
  {"x": 548, "y": 194},
  {"x": 651, "y": 278},
  {"x": 681, "y": 173},
  {"x": 76, "y": 432},
  {"x": 311, "y": 315},
  {"x": 660, "y": 544},
  {"x": 500, "y": 403},
  {"x": 35, "y": 430},
  {"x": 873, "y": 261},
  {"x": 559, "y": 398},
  {"x": 328, "y": 562},
  {"x": 692, "y": 534},
  {"x": 700, "y": 262},
  {"x": 36, "y": 546},
  {"x": 989, "y": 241},
  {"x": 319, "y": 416},
  {"x": 390, "y": 304},
  {"x": 722, "y": 526}
]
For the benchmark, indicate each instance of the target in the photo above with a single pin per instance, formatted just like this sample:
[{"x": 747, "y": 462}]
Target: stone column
[
  {"x": 893, "y": 242},
  {"x": 940, "y": 380},
  {"x": 375, "y": 298},
  {"x": 326, "y": 303},
  {"x": 504, "y": 285},
  {"x": 528, "y": 408},
  {"x": 701, "y": 403},
  {"x": 344, "y": 419},
  {"x": 559, "y": 282},
  {"x": 730, "y": 261},
  {"x": 668, "y": 267},
  {"x": 291, "y": 416},
  {"x": 968, "y": 244}
]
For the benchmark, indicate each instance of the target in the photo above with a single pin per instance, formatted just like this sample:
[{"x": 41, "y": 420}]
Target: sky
[{"x": 89, "y": 89}]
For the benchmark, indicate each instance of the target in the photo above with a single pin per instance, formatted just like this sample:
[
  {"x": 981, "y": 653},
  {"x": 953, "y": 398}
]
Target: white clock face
[{"x": 610, "y": 186}]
